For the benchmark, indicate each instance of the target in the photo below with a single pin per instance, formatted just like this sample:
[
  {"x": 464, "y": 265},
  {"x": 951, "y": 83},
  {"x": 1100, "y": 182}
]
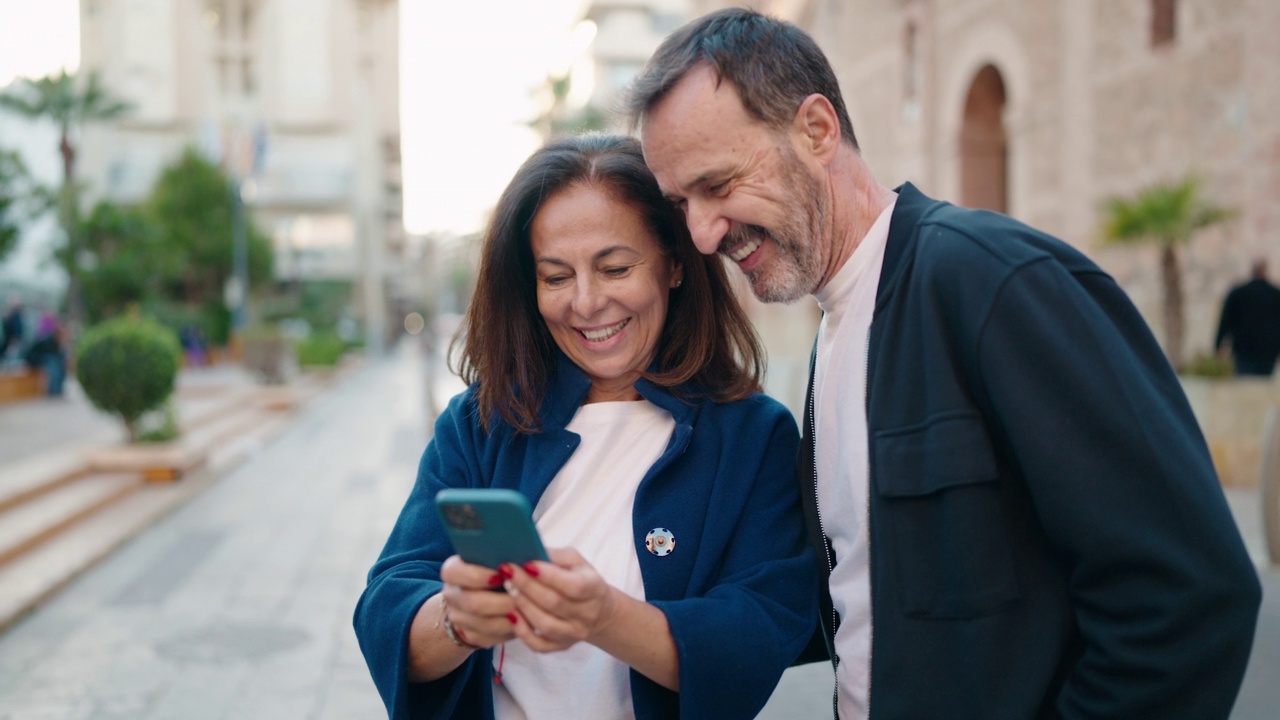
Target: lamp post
[
  {"x": 239, "y": 253},
  {"x": 237, "y": 288}
]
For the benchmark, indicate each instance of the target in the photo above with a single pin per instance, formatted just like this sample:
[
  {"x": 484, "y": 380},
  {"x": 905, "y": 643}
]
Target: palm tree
[
  {"x": 60, "y": 98},
  {"x": 1168, "y": 214},
  {"x": 13, "y": 176}
]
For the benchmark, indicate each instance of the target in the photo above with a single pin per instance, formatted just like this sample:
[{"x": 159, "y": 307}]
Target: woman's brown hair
[{"x": 707, "y": 342}]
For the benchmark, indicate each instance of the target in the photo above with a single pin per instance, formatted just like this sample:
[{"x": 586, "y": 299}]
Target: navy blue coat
[
  {"x": 1048, "y": 535},
  {"x": 739, "y": 591}
]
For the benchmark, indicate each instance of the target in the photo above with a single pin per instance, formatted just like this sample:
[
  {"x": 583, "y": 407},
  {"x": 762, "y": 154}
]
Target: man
[
  {"x": 11, "y": 327},
  {"x": 1251, "y": 319},
  {"x": 1018, "y": 512}
]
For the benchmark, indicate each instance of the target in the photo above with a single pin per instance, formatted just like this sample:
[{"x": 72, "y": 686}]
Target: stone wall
[
  {"x": 1093, "y": 110},
  {"x": 1233, "y": 417}
]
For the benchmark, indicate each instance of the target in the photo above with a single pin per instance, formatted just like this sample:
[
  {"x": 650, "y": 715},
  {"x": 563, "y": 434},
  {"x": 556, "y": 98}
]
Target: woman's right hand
[{"x": 479, "y": 616}]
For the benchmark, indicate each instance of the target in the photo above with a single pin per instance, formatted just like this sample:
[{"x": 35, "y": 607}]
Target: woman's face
[{"x": 603, "y": 285}]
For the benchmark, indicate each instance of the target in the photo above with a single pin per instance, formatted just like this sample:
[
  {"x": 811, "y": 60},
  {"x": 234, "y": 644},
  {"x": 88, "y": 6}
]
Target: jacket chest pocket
[{"x": 941, "y": 508}]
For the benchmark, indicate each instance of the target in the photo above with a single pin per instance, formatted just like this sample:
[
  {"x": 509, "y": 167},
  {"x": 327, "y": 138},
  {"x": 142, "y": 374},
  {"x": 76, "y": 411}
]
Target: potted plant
[{"x": 127, "y": 367}]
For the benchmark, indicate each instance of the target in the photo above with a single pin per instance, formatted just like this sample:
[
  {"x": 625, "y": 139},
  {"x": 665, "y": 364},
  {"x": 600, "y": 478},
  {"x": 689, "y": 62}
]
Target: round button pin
[{"x": 660, "y": 542}]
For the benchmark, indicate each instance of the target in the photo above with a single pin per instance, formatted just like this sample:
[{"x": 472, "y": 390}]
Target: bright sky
[
  {"x": 467, "y": 77},
  {"x": 37, "y": 37}
]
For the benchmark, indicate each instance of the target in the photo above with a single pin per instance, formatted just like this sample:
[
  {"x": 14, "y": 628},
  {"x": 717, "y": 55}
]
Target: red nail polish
[
  {"x": 496, "y": 580},
  {"x": 505, "y": 571},
  {"x": 530, "y": 568},
  {"x": 515, "y": 619}
]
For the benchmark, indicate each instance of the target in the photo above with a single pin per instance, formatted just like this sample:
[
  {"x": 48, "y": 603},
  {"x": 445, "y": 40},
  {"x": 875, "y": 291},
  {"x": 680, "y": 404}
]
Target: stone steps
[
  {"x": 41, "y": 516},
  {"x": 29, "y": 477},
  {"x": 63, "y": 511},
  {"x": 33, "y": 576}
]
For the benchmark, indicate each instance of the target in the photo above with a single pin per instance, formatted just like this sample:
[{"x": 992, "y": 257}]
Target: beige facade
[
  {"x": 299, "y": 99},
  {"x": 627, "y": 33},
  {"x": 1087, "y": 107}
]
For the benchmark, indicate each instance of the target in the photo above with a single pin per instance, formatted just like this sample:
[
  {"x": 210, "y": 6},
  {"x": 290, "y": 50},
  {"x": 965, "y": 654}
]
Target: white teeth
[
  {"x": 742, "y": 252},
  {"x": 605, "y": 333}
]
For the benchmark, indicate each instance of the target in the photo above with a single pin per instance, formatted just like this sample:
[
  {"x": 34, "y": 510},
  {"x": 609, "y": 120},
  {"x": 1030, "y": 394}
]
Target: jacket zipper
[
  {"x": 866, "y": 411},
  {"x": 826, "y": 544}
]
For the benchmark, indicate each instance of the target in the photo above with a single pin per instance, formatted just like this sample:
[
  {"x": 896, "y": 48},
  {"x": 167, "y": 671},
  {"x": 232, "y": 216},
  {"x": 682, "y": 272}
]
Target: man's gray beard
[
  {"x": 785, "y": 280},
  {"x": 797, "y": 270}
]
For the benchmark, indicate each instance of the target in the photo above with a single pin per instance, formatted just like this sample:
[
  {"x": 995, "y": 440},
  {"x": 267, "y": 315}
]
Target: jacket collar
[
  {"x": 909, "y": 211},
  {"x": 569, "y": 387}
]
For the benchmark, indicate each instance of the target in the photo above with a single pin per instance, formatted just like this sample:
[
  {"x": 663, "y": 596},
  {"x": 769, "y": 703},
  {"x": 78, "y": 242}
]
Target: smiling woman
[
  {"x": 602, "y": 286},
  {"x": 614, "y": 384}
]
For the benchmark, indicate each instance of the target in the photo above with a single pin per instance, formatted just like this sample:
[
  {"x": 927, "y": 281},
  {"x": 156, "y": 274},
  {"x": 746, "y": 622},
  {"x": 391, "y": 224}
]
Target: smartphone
[{"x": 490, "y": 526}]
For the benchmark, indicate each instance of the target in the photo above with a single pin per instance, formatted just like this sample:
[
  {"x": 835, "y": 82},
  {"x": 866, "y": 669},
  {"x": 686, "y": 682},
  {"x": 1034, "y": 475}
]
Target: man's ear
[{"x": 817, "y": 127}]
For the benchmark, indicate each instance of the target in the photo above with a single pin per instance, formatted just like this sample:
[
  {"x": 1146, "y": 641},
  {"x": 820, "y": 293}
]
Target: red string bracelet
[{"x": 497, "y": 672}]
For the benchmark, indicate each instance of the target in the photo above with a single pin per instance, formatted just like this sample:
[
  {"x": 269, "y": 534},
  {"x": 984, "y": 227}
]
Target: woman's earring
[{"x": 677, "y": 283}]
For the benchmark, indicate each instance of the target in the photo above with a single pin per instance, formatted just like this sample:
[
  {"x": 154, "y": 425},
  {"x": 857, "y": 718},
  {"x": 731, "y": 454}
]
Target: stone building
[
  {"x": 297, "y": 99},
  {"x": 1044, "y": 109},
  {"x": 627, "y": 33}
]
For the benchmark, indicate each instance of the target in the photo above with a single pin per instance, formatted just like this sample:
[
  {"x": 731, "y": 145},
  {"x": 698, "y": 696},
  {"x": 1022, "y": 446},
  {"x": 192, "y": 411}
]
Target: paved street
[{"x": 238, "y": 605}]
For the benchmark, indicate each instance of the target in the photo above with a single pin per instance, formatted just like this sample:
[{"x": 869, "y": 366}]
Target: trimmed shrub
[
  {"x": 128, "y": 366},
  {"x": 1209, "y": 365},
  {"x": 321, "y": 349}
]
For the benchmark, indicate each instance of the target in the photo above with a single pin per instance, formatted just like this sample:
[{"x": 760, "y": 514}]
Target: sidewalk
[
  {"x": 72, "y": 490},
  {"x": 238, "y": 605},
  {"x": 71, "y": 423}
]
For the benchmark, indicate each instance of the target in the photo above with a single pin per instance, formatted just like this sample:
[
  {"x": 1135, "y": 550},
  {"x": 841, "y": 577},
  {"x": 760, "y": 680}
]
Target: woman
[{"x": 614, "y": 381}]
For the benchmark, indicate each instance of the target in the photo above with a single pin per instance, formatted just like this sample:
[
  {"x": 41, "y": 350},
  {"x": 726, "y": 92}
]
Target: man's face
[{"x": 744, "y": 190}]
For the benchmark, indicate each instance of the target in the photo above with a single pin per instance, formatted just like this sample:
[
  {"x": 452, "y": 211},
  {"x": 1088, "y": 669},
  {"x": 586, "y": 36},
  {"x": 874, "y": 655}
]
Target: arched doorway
[{"x": 984, "y": 145}]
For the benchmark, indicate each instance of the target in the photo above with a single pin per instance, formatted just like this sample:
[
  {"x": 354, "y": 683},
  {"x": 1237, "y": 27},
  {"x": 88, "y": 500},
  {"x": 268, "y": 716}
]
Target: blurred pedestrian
[
  {"x": 1251, "y": 321},
  {"x": 48, "y": 353},
  {"x": 11, "y": 328},
  {"x": 193, "y": 345},
  {"x": 1017, "y": 514}
]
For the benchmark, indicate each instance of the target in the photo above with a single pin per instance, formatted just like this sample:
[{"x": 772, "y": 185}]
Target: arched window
[
  {"x": 1163, "y": 21},
  {"x": 984, "y": 146},
  {"x": 911, "y": 72}
]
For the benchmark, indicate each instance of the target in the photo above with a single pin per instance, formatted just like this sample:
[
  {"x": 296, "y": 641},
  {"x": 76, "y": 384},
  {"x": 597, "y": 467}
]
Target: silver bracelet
[{"x": 456, "y": 636}]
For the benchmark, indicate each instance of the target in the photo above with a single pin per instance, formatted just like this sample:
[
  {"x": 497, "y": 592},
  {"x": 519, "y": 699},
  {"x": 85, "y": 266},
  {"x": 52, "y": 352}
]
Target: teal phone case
[{"x": 490, "y": 526}]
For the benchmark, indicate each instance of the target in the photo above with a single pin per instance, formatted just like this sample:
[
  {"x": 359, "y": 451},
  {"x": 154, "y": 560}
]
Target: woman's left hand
[{"x": 560, "y": 603}]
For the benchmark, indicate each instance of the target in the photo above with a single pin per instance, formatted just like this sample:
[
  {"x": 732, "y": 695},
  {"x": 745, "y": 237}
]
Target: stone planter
[
  {"x": 1232, "y": 413},
  {"x": 156, "y": 462},
  {"x": 268, "y": 357}
]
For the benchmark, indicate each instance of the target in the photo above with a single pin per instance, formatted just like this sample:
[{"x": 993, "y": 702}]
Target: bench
[{"x": 21, "y": 384}]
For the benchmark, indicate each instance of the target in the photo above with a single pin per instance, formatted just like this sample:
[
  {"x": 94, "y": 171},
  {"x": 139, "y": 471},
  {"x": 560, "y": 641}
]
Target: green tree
[
  {"x": 14, "y": 182},
  {"x": 124, "y": 260},
  {"x": 1167, "y": 214},
  {"x": 69, "y": 104},
  {"x": 192, "y": 207}
]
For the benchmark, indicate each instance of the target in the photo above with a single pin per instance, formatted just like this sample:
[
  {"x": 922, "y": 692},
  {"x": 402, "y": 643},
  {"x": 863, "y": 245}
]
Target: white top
[
  {"x": 588, "y": 506},
  {"x": 840, "y": 401}
]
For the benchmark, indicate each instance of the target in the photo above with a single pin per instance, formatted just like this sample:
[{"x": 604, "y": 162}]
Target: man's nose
[{"x": 707, "y": 226}]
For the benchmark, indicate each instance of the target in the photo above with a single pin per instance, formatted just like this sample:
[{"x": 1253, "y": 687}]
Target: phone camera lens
[{"x": 463, "y": 517}]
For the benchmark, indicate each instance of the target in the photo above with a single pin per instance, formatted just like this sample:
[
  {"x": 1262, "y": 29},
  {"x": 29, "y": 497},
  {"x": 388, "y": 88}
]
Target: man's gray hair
[{"x": 773, "y": 64}]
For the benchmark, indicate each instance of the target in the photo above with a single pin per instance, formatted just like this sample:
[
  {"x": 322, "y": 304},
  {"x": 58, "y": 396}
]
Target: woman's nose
[{"x": 588, "y": 296}]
